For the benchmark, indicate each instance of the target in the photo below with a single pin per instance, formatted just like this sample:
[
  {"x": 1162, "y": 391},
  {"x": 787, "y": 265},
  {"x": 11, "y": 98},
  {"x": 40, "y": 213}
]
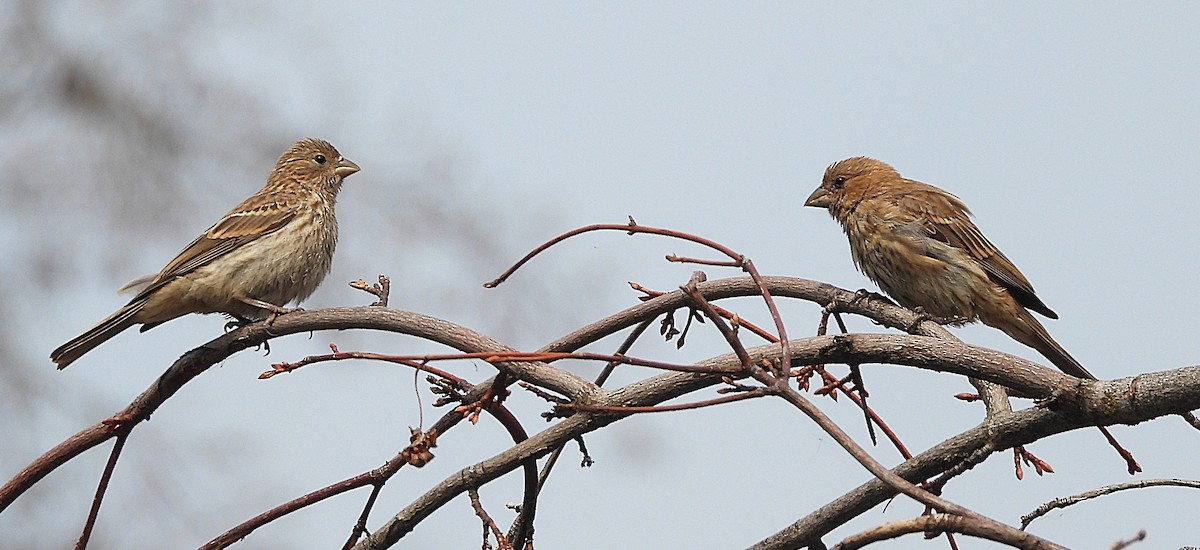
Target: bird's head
[
  {"x": 312, "y": 162},
  {"x": 849, "y": 181}
]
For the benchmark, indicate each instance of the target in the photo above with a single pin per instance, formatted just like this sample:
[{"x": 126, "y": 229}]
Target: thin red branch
[
  {"x": 413, "y": 362},
  {"x": 522, "y": 527},
  {"x": 757, "y": 330},
  {"x": 757, "y": 392},
  {"x": 360, "y": 526},
  {"x": 778, "y": 385},
  {"x": 699, "y": 302},
  {"x": 380, "y": 290},
  {"x": 700, "y": 261},
  {"x": 1191, "y": 419},
  {"x": 829, "y": 379},
  {"x": 377, "y": 476},
  {"x": 94, "y": 513},
  {"x": 1131, "y": 464},
  {"x": 601, "y": 378},
  {"x": 784, "y": 347},
  {"x": 622, "y": 350},
  {"x": 631, "y": 228},
  {"x": 416, "y": 454},
  {"x": 488, "y": 523},
  {"x": 419, "y": 361}
]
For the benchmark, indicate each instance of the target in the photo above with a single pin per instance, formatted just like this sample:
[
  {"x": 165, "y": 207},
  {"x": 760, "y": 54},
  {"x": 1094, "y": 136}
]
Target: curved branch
[
  {"x": 373, "y": 477},
  {"x": 738, "y": 260},
  {"x": 522, "y": 529},
  {"x": 935, "y": 523},
  {"x": 1153, "y": 395},
  {"x": 778, "y": 385},
  {"x": 1089, "y": 403},
  {"x": 196, "y": 361},
  {"x": 1149, "y": 396},
  {"x": 1107, "y": 489}
]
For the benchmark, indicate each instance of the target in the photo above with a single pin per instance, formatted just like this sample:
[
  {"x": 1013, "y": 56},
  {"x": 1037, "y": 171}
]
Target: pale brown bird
[
  {"x": 917, "y": 242},
  {"x": 273, "y": 248}
]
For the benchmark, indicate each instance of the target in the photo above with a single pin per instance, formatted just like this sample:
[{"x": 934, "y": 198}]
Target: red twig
[
  {"x": 416, "y": 362},
  {"x": 830, "y": 381},
  {"x": 717, "y": 263},
  {"x": 245, "y": 528},
  {"x": 380, "y": 290},
  {"x": 86, "y": 535},
  {"x": 360, "y": 526},
  {"x": 522, "y": 527},
  {"x": 552, "y": 458},
  {"x": 1040, "y": 467},
  {"x": 1191, "y": 419},
  {"x": 1131, "y": 464},
  {"x": 757, "y": 330},
  {"x": 632, "y": 228},
  {"x": 700, "y": 303},
  {"x": 622, "y": 350},
  {"x": 415, "y": 454},
  {"x": 489, "y": 525},
  {"x": 419, "y": 361},
  {"x": 750, "y": 394}
]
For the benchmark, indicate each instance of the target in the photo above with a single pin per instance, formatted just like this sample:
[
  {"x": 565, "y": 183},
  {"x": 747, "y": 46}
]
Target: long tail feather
[
  {"x": 1027, "y": 330},
  {"x": 109, "y": 327}
]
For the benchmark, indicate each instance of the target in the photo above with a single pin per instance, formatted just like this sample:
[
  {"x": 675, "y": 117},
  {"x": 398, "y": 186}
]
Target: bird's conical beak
[
  {"x": 345, "y": 168},
  {"x": 819, "y": 198}
]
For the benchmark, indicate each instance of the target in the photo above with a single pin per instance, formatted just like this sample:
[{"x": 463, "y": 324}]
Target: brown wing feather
[
  {"x": 256, "y": 216},
  {"x": 960, "y": 232}
]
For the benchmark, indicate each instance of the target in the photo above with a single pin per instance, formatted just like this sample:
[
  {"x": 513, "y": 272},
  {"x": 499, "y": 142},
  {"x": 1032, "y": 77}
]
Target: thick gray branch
[{"x": 1092, "y": 403}]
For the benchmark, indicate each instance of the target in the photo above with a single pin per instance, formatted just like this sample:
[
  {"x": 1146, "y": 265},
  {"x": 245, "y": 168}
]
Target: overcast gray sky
[{"x": 1069, "y": 128}]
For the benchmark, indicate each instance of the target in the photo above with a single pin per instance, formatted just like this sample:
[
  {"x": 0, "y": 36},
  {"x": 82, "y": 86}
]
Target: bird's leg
[
  {"x": 920, "y": 318},
  {"x": 261, "y": 304},
  {"x": 275, "y": 310},
  {"x": 863, "y": 294},
  {"x": 236, "y": 321},
  {"x": 955, "y": 320}
]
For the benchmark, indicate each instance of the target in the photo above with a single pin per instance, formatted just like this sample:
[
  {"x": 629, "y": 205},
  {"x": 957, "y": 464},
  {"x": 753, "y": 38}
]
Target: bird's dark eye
[
  {"x": 838, "y": 182},
  {"x": 320, "y": 159}
]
